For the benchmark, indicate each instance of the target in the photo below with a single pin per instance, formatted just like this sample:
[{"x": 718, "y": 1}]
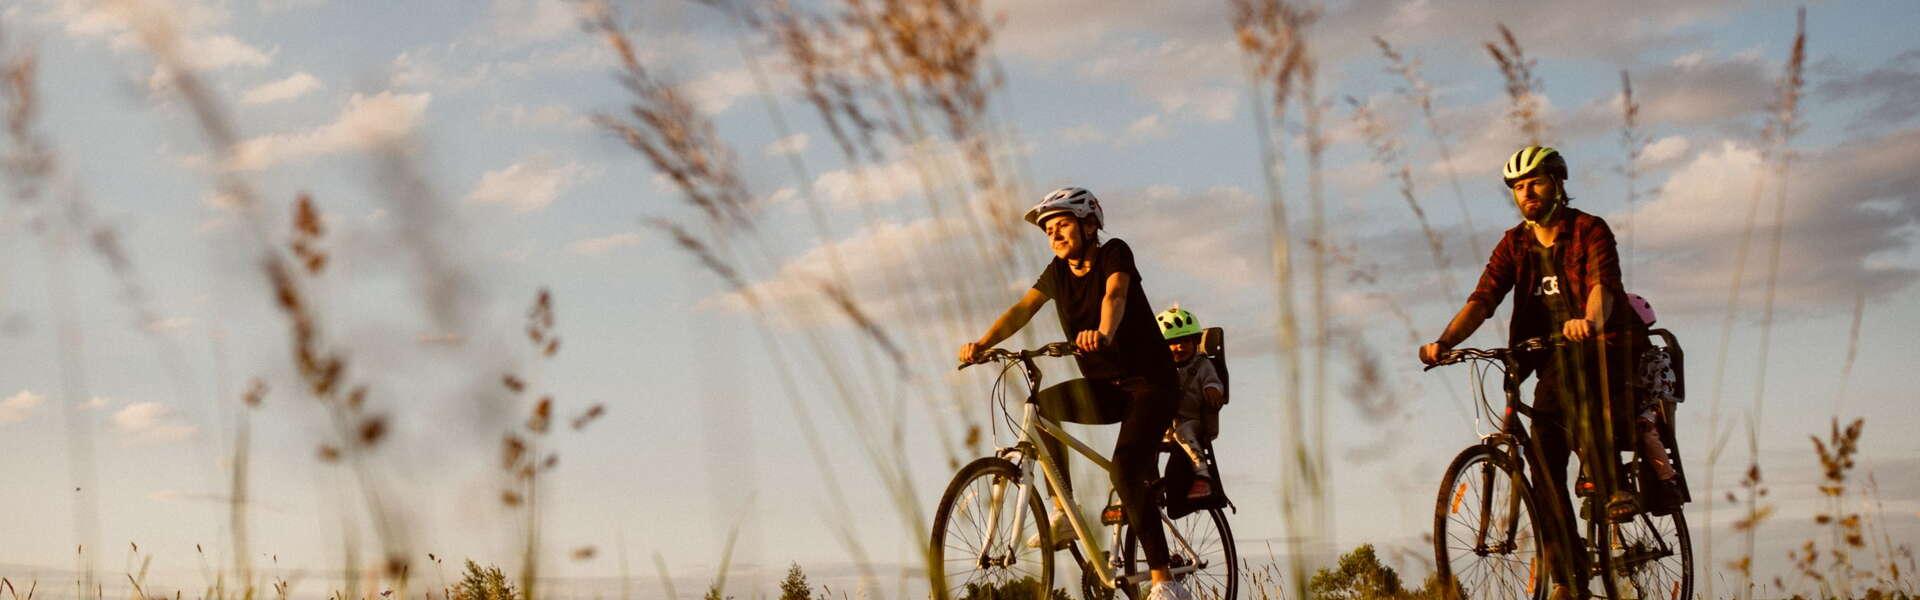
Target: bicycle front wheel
[
  {"x": 976, "y": 553},
  {"x": 1486, "y": 533},
  {"x": 1201, "y": 540},
  {"x": 1653, "y": 557}
]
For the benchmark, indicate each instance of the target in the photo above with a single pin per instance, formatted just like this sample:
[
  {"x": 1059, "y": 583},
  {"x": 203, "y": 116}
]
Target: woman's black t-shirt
[{"x": 1137, "y": 346}]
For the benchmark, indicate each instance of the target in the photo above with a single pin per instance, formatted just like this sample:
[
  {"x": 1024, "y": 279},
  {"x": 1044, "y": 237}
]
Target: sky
[{"x": 452, "y": 149}]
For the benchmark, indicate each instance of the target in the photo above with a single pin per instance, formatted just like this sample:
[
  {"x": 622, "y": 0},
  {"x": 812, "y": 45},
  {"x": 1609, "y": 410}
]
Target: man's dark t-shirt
[{"x": 1137, "y": 347}]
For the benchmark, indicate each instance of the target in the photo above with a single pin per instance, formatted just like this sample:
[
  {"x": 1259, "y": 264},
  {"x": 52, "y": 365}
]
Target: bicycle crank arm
[{"x": 1138, "y": 578}]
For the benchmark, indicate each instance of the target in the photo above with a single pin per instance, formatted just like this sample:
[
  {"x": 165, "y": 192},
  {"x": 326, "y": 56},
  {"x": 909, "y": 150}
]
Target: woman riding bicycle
[
  {"x": 1564, "y": 270},
  {"x": 1128, "y": 373}
]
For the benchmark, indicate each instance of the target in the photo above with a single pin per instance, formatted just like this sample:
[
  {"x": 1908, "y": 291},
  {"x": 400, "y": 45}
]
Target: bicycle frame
[
  {"x": 1510, "y": 439},
  {"x": 1032, "y": 426}
]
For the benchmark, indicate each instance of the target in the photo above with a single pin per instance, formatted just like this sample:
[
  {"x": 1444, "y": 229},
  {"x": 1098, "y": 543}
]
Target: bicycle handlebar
[
  {"x": 1529, "y": 345},
  {"x": 1002, "y": 354}
]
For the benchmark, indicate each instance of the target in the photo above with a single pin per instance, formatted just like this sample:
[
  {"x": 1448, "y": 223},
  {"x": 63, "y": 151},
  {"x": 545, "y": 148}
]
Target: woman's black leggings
[{"x": 1143, "y": 408}]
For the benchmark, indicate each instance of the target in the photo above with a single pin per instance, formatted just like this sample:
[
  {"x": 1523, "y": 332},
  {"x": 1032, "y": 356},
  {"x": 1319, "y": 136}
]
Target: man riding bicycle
[
  {"x": 1564, "y": 270},
  {"x": 1128, "y": 372}
]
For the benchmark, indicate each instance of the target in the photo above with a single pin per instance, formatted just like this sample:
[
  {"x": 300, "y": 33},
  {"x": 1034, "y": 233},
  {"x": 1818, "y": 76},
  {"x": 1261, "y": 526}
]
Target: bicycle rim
[
  {"x": 1209, "y": 545},
  {"x": 1486, "y": 534},
  {"x": 1653, "y": 558},
  {"x": 975, "y": 552}
]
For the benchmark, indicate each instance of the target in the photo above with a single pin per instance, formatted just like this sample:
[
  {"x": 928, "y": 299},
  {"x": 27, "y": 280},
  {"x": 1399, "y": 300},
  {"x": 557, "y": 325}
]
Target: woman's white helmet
[{"x": 1072, "y": 200}]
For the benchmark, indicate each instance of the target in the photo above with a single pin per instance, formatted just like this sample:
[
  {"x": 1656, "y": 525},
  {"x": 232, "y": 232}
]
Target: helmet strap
[{"x": 1546, "y": 218}]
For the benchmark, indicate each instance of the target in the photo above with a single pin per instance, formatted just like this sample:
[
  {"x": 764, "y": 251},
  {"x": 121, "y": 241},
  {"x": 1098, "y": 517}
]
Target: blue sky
[{"x": 1149, "y": 107}]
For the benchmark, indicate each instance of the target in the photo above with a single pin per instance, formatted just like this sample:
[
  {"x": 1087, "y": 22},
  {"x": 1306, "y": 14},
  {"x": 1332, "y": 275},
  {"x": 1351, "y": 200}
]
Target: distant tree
[
  {"x": 1024, "y": 588},
  {"x": 1358, "y": 576},
  {"x": 795, "y": 587},
  {"x": 1361, "y": 576},
  {"x": 713, "y": 592},
  {"x": 484, "y": 584}
]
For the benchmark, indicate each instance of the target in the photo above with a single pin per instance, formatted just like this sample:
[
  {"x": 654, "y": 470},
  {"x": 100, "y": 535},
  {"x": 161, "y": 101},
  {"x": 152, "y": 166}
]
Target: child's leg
[
  {"x": 1186, "y": 432},
  {"x": 1647, "y": 429}
]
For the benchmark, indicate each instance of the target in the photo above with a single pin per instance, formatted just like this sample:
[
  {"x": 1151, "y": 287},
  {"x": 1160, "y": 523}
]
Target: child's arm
[{"x": 1210, "y": 386}]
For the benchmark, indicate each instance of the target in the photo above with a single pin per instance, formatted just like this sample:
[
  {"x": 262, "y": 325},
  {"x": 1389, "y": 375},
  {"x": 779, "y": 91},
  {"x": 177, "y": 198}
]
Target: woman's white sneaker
[
  {"x": 1062, "y": 531},
  {"x": 1169, "y": 590}
]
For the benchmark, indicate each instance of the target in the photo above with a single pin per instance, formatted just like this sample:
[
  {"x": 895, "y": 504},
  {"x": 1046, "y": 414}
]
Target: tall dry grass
[
  {"x": 1634, "y": 144},
  {"x": 1420, "y": 94},
  {"x": 1782, "y": 123},
  {"x": 909, "y": 59},
  {"x": 1523, "y": 87},
  {"x": 1273, "y": 37}
]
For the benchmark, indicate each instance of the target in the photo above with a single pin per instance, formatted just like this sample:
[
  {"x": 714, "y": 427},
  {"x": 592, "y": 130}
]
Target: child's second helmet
[{"x": 1176, "y": 323}]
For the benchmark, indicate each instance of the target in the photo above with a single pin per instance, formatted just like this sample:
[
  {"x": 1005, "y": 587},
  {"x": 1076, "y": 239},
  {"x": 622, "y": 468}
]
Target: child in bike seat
[
  {"x": 1656, "y": 383},
  {"x": 1197, "y": 420}
]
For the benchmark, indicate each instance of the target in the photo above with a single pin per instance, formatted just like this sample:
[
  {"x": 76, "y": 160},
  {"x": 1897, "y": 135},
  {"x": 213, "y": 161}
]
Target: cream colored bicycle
[{"x": 993, "y": 509}]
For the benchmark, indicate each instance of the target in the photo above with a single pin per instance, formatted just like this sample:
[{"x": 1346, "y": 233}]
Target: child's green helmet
[{"x": 1176, "y": 323}]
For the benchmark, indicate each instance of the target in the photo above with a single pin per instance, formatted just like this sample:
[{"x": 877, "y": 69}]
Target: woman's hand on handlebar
[
  {"x": 1430, "y": 353},
  {"x": 1091, "y": 341}
]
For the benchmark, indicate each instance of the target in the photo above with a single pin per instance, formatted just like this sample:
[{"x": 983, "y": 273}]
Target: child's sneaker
[
  {"x": 1169, "y": 590},
  {"x": 1201, "y": 489}
]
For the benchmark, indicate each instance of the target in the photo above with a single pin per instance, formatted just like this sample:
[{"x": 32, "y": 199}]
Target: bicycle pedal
[{"x": 1113, "y": 515}]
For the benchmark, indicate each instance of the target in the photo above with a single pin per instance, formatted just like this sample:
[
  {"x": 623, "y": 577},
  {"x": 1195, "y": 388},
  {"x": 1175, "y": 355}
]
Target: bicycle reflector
[{"x": 1113, "y": 515}]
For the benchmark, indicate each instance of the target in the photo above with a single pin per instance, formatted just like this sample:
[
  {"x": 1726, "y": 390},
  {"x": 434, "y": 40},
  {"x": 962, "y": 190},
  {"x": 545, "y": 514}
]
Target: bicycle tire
[
  {"x": 985, "y": 573},
  {"x": 1656, "y": 556},
  {"x": 1211, "y": 538},
  {"x": 1460, "y": 509}
]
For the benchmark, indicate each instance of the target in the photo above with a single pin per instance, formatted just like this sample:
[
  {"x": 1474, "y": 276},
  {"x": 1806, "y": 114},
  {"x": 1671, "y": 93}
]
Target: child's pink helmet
[{"x": 1641, "y": 307}]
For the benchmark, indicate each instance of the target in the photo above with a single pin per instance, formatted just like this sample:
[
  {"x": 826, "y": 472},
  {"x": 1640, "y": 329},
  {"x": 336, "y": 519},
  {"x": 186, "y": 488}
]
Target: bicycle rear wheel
[
  {"x": 1653, "y": 557},
  {"x": 975, "y": 552},
  {"x": 1208, "y": 546},
  {"x": 1486, "y": 533}
]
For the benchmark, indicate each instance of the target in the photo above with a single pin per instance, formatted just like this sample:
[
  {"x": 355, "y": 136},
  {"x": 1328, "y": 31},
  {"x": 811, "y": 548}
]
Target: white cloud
[
  {"x": 793, "y": 144},
  {"x": 1084, "y": 133},
  {"x": 17, "y": 407},
  {"x": 602, "y": 245},
  {"x": 294, "y": 86},
  {"x": 95, "y": 403},
  {"x": 452, "y": 67},
  {"x": 365, "y": 122},
  {"x": 1144, "y": 129},
  {"x": 919, "y": 251},
  {"x": 168, "y": 324},
  {"x": 527, "y": 185},
  {"x": 1663, "y": 150},
  {"x": 150, "y": 422},
  {"x": 273, "y": 6},
  {"x": 550, "y": 116},
  {"x": 716, "y": 92},
  {"x": 530, "y": 20},
  {"x": 220, "y": 51},
  {"x": 879, "y": 184},
  {"x": 1850, "y": 216},
  {"x": 1198, "y": 79},
  {"x": 201, "y": 45}
]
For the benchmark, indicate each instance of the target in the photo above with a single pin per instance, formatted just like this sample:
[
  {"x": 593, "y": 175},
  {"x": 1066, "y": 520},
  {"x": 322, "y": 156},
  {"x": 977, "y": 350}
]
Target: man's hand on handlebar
[
  {"x": 1579, "y": 330},
  {"x": 970, "y": 352},
  {"x": 1430, "y": 353}
]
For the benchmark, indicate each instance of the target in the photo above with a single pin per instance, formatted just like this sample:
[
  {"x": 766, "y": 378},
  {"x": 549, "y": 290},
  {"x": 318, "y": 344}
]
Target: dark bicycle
[{"x": 1488, "y": 537}]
